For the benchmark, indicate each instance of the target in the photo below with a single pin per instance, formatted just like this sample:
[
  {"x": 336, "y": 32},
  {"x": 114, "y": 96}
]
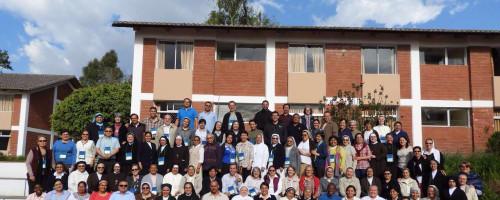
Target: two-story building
[{"x": 442, "y": 82}]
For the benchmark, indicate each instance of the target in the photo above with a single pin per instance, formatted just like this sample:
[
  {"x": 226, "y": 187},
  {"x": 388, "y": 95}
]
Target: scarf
[
  {"x": 417, "y": 162},
  {"x": 337, "y": 162},
  {"x": 358, "y": 151}
]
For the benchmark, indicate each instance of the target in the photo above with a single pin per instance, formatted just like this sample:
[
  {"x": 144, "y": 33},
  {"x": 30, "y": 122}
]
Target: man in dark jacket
[
  {"x": 295, "y": 128},
  {"x": 275, "y": 127},
  {"x": 263, "y": 116},
  {"x": 119, "y": 129},
  {"x": 137, "y": 128},
  {"x": 230, "y": 117},
  {"x": 212, "y": 175}
]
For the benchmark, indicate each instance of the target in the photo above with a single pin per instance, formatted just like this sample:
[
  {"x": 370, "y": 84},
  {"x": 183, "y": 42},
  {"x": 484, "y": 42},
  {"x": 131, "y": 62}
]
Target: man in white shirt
[
  {"x": 231, "y": 182},
  {"x": 373, "y": 194},
  {"x": 209, "y": 116},
  {"x": 176, "y": 180}
]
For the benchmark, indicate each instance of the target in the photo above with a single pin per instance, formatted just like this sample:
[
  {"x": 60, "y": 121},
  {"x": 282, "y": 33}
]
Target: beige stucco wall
[
  {"x": 5, "y": 120},
  {"x": 390, "y": 82},
  {"x": 170, "y": 84},
  {"x": 496, "y": 90},
  {"x": 306, "y": 87}
]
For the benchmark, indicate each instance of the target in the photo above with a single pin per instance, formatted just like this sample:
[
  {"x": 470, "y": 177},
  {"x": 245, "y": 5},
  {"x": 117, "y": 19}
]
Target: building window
[
  {"x": 247, "y": 111},
  {"x": 6, "y": 103},
  {"x": 4, "y": 139},
  {"x": 442, "y": 56},
  {"x": 445, "y": 116},
  {"x": 306, "y": 58},
  {"x": 378, "y": 60},
  {"x": 241, "y": 52},
  {"x": 169, "y": 107},
  {"x": 175, "y": 55},
  {"x": 299, "y": 109},
  {"x": 495, "y": 56}
]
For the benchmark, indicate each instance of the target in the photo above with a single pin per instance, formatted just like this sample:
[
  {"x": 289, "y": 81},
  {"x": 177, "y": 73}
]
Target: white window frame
[
  {"x": 378, "y": 57},
  {"x": 175, "y": 57},
  {"x": 305, "y": 55},
  {"x": 446, "y": 54},
  {"x": 448, "y": 124}
]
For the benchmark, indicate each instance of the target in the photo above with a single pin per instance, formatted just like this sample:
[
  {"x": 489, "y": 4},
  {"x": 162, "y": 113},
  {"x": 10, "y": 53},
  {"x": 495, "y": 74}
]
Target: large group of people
[{"x": 282, "y": 156}]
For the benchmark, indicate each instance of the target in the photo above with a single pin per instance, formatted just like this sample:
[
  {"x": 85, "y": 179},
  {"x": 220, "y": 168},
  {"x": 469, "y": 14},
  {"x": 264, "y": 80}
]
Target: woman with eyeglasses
[
  {"x": 417, "y": 165},
  {"x": 58, "y": 193},
  {"x": 82, "y": 192},
  {"x": 308, "y": 180},
  {"x": 94, "y": 178},
  {"x": 77, "y": 176},
  {"x": 102, "y": 193},
  {"x": 350, "y": 153},
  {"x": 387, "y": 183},
  {"x": 307, "y": 149},
  {"x": 164, "y": 157},
  {"x": 276, "y": 153},
  {"x": 60, "y": 173},
  {"x": 145, "y": 193},
  {"x": 274, "y": 181},
  {"x": 432, "y": 153},
  {"x": 128, "y": 152},
  {"x": 134, "y": 180},
  {"x": 473, "y": 179},
  {"x": 197, "y": 152},
  {"x": 39, "y": 163},
  {"x": 85, "y": 151}
]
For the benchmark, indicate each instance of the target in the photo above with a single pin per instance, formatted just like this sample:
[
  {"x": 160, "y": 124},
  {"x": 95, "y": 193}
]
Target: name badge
[
  {"x": 128, "y": 156},
  {"x": 116, "y": 136},
  {"x": 252, "y": 141},
  {"x": 241, "y": 156},
  {"x": 230, "y": 189},
  {"x": 62, "y": 156},
  {"x": 167, "y": 135},
  {"x": 101, "y": 134},
  {"x": 153, "y": 131},
  {"x": 382, "y": 139},
  {"x": 390, "y": 158},
  {"x": 186, "y": 142},
  {"x": 44, "y": 163},
  {"x": 132, "y": 190},
  {"x": 332, "y": 158},
  {"x": 203, "y": 142},
  {"x": 107, "y": 150},
  {"x": 81, "y": 155},
  {"x": 271, "y": 158},
  {"x": 287, "y": 161},
  {"x": 161, "y": 160},
  {"x": 166, "y": 130},
  {"x": 232, "y": 158},
  {"x": 252, "y": 192},
  {"x": 153, "y": 190}
]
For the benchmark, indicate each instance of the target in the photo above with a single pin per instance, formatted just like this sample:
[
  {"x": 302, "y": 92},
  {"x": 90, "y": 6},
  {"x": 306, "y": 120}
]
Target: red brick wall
[
  {"x": 405, "y": 117},
  {"x": 440, "y": 82},
  {"x": 13, "y": 142},
  {"x": 240, "y": 78},
  {"x": 281, "y": 76},
  {"x": 63, "y": 91},
  {"x": 342, "y": 69},
  {"x": 16, "y": 110},
  {"x": 482, "y": 125},
  {"x": 148, "y": 64},
  {"x": 278, "y": 107},
  {"x": 40, "y": 109},
  {"x": 145, "y": 105},
  {"x": 481, "y": 74},
  {"x": 199, "y": 107},
  {"x": 204, "y": 65},
  {"x": 449, "y": 139},
  {"x": 404, "y": 70}
]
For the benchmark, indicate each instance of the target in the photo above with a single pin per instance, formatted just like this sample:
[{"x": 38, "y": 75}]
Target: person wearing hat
[
  {"x": 95, "y": 178},
  {"x": 128, "y": 153},
  {"x": 453, "y": 193},
  {"x": 96, "y": 127},
  {"x": 119, "y": 129},
  {"x": 176, "y": 180},
  {"x": 164, "y": 157},
  {"x": 330, "y": 193},
  {"x": 165, "y": 193},
  {"x": 189, "y": 192},
  {"x": 145, "y": 193},
  {"x": 378, "y": 157},
  {"x": 180, "y": 155},
  {"x": 76, "y": 176},
  {"x": 290, "y": 194},
  {"x": 115, "y": 177}
]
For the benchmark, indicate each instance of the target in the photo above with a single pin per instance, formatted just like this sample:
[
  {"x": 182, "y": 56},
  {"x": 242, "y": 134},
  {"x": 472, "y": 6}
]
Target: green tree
[
  {"x": 4, "y": 60},
  {"x": 102, "y": 71},
  {"x": 78, "y": 109},
  {"x": 234, "y": 12}
]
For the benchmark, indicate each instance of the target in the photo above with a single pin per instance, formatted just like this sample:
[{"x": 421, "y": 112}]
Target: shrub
[
  {"x": 4, "y": 157},
  {"x": 494, "y": 143}
]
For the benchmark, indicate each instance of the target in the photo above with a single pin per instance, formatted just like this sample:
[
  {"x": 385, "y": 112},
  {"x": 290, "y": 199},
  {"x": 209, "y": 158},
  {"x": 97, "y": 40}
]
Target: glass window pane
[
  {"x": 314, "y": 58},
  {"x": 4, "y": 142},
  {"x": 225, "y": 51},
  {"x": 187, "y": 47},
  {"x": 386, "y": 60},
  {"x": 297, "y": 58},
  {"x": 434, "y": 117},
  {"x": 459, "y": 117},
  {"x": 456, "y": 56},
  {"x": 169, "y": 55},
  {"x": 251, "y": 52},
  {"x": 432, "y": 56},
  {"x": 247, "y": 110},
  {"x": 369, "y": 58}
]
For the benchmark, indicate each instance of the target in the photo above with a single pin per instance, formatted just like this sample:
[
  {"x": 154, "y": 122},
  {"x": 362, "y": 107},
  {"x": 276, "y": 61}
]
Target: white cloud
[
  {"x": 271, "y": 3},
  {"x": 389, "y": 13},
  {"x": 459, "y": 7},
  {"x": 65, "y": 35}
]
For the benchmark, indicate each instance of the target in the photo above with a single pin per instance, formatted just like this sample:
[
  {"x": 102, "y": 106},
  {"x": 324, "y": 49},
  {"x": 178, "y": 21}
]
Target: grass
[
  {"x": 486, "y": 165},
  {"x": 7, "y": 158}
]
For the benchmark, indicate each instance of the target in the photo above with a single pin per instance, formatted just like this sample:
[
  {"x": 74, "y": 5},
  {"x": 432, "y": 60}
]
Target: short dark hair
[
  {"x": 286, "y": 104},
  {"x": 264, "y": 184},
  {"x": 147, "y": 132},
  {"x": 398, "y": 122},
  {"x": 153, "y": 107},
  {"x": 417, "y": 147},
  {"x": 188, "y": 100},
  {"x": 244, "y": 132},
  {"x": 275, "y": 112},
  {"x": 202, "y": 121},
  {"x": 135, "y": 115},
  {"x": 231, "y": 102},
  {"x": 265, "y": 101},
  {"x": 252, "y": 120}
]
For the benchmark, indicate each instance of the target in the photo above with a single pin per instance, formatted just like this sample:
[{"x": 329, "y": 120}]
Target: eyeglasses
[
  {"x": 428, "y": 143},
  {"x": 145, "y": 188},
  {"x": 85, "y": 134},
  {"x": 123, "y": 185},
  {"x": 108, "y": 131},
  {"x": 81, "y": 165},
  {"x": 42, "y": 140},
  {"x": 346, "y": 140},
  {"x": 100, "y": 167},
  {"x": 135, "y": 169}
]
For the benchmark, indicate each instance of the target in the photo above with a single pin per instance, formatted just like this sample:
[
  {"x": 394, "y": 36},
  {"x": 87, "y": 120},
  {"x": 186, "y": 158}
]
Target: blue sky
[{"x": 60, "y": 37}]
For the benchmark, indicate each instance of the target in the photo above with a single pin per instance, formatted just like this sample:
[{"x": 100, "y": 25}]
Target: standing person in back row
[
  {"x": 230, "y": 117},
  {"x": 329, "y": 127},
  {"x": 137, "y": 128},
  {"x": 188, "y": 112},
  {"x": 263, "y": 116},
  {"x": 286, "y": 118},
  {"x": 96, "y": 127},
  {"x": 153, "y": 123},
  {"x": 209, "y": 116},
  {"x": 107, "y": 147},
  {"x": 275, "y": 127}
]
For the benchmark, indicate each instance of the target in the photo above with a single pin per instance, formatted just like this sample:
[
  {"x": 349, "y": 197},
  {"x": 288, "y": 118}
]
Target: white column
[
  {"x": 23, "y": 124},
  {"x": 135, "y": 102},
  {"x": 270, "y": 72},
  {"x": 415, "y": 95}
]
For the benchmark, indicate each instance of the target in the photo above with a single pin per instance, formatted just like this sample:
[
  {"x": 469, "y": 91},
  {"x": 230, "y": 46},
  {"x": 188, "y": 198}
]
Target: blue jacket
[
  {"x": 347, "y": 132},
  {"x": 323, "y": 153},
  {"x": 401, "y": 134},
  {"x": 64, "y": 152},
  {"x": 326, "y": 197}
]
